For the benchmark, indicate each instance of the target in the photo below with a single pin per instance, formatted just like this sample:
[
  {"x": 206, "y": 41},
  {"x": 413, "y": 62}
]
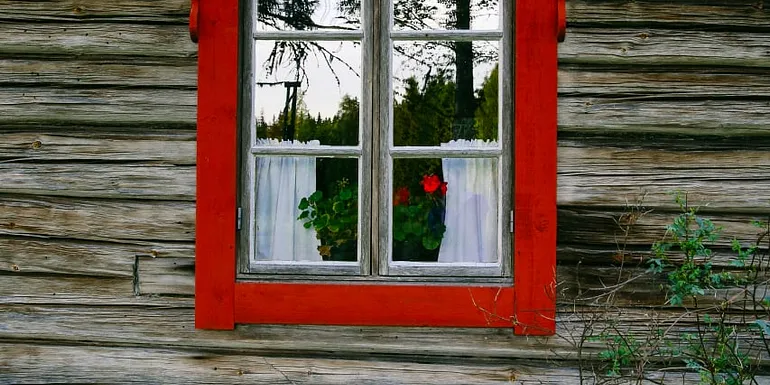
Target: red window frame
[{"x": 528, "y": 305}]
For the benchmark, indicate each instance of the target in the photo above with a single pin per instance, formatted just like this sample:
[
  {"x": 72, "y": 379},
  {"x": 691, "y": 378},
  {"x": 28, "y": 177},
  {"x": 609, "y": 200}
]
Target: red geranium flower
[
  {"x": 443, "y": 188},
  {"x": 402, "y": 196},
  {"x": 430, "y": 183}
]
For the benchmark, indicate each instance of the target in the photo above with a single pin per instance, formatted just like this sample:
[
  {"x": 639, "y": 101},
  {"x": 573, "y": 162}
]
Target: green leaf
[
  {"x": 304, "y": 215},
  {"x": 307, "y": 225},
  {"x": 338, "y": 207},
  {"x": 334, "y": 227},
  {"x": 430, "y": 243},
  {"x": 316, "y": 196},
  {"x": 303, "y": 204},
  {"x": 346, "y": 194},
  {"x": 399, "y": 235}
]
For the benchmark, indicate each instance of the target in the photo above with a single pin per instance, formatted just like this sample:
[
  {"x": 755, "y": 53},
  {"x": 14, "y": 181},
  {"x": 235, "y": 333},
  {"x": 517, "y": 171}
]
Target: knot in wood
[{"x": 37, "y": 144}]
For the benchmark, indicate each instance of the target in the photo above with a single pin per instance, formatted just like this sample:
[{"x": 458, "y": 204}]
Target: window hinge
[
  {"x": 510, "y": 223},
  {"x": 238, "y": 218}
]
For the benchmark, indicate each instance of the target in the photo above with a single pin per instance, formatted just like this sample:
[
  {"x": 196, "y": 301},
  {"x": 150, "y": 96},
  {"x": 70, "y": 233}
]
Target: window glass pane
[
  {"x": 303, "y": 15},
  {"x": 306, "y": 208},
  {"x": 446, "y": 14},
  {"x": 445, "y": 210},
  {"x": 308, "y": 90},
  {"x": 443, "y": 91}
]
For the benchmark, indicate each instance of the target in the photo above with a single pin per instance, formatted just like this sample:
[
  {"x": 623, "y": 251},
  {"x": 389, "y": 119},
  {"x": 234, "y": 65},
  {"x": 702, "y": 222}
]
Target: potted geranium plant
[
  {"x": 335, "y": 220},
  {"x": 418, "y": 220}
]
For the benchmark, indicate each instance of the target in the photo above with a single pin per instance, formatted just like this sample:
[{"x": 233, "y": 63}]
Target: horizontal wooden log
[
  {"x": 72, "y": 289},
  {"x": 166, "y": 276},
  {"x": 145, "y": 181},
  {"x": 28, "y": 362},
  {"x": 171, "y": 328},
  {"x": 590, "y": 256},
  {"x": 95, "y": 40},
  {"x": 27, "y": 106},
  {"x": 146, "y": 11},
  {"x": 51, "y": 257},
  {"x": 52, "y": 146},
  {"x": 722, "y": 180},
  {"x": 100, "y": 220},
  {"x": 692, "y": 14},
  {"x": 633, "y": 286},
  {"x": 618, "y": 116},
  {"x": 662, "y": 47},
  {"x": 666, "y": 82},
  {"x": 137, "y": 72},
  {"x": 603, "y": 227}
]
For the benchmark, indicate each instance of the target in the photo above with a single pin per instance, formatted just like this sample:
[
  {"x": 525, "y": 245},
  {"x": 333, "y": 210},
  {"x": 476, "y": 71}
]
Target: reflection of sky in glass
[
  {"x": 326, "y": 14},
  {"x": 320, "y": 91},
  {"x": 484, "y": 15}
]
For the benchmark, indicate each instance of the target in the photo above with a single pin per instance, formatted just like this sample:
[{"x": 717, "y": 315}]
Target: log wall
[{"x": 97, "y": 176}]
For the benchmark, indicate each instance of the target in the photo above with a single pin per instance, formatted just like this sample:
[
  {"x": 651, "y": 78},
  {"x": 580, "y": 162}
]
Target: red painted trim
[
  {"x": 193, "y": 21},
  {"x": 535, "y": 157},
  {"x": 216, "y": 164},
  {"x": 561, "y": 20},
  {"x": 220, "y": 301},
  {"x": 373, "y": 304}
]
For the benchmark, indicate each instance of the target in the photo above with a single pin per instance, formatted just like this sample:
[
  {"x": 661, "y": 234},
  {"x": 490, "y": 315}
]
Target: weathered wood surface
[
  {"x": 744, "y": 118},
  {"x": 95, "y": 40},
  {"x": 85, "y": 364},
  {"x": 168, "y": 148},
  {"x": 148, "y": 73},
  {"x": 657, "y": 82},
  {"x": 145, "y": 181},
  {"x": 738, "y": 14},
  {"x": 25, "y": 255},
  {"x": 29, "y": 106},
  {"x": 621, "y": 47},
  {"x": 125, "y": 11},
  {"x": 170, "y": 328},
  {"x": 100, "y": 220}
]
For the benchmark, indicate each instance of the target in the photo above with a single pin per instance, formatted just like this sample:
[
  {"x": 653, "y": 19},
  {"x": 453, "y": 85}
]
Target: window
[{"x": 359, "y": 166}]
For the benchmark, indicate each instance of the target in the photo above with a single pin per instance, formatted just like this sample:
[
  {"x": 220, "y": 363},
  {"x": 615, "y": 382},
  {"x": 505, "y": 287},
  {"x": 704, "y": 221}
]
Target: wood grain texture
[
  {"x": 138, "y": 72},
  {"x": 651, "y": 82},
  {"x": 46, "y": 145},
  {"x": 709, "y": 117},
  {"x": 67, "y": 257},
  {"x": 584, "y": 226},
  {"x": 31, "y": 106},
  {"x": 623, "y": 46},
  {"x": 101, "y": 220},
  {"x": 124, "y": 11},
  {"x": 171, "y": 328},
  {"x": 720, "y": 180},
  {"x": 169, "y": 366},
  {"x": 94, "y": 40},
  {"x": 143, "y": 181},
  {"x": 166, "y": 276},
  {"x": 743, "y": 14}
]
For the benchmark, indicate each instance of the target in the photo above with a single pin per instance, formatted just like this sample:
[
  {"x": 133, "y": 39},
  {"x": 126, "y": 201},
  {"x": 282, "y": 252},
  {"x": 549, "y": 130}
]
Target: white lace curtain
[
  {"x": 471, "y": 207},
  {"x": 282, "y": 181}
]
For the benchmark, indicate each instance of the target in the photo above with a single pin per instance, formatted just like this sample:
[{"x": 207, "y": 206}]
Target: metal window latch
[
  {"x": 510, "y": 223},
  {"x": 238, "y": 218}
]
